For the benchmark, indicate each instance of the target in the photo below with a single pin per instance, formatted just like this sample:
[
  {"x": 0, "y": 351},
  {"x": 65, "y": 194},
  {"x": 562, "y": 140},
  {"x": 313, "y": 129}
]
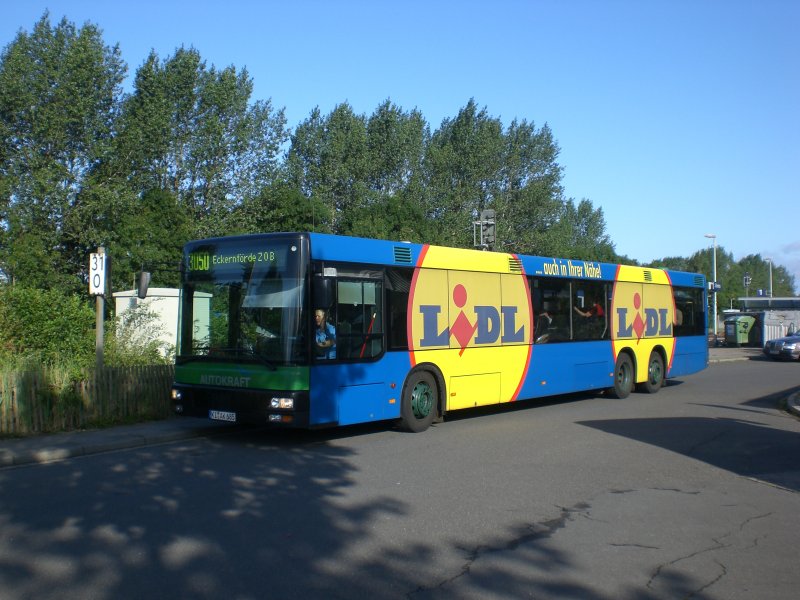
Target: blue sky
[{"x": 676, "y": 117}]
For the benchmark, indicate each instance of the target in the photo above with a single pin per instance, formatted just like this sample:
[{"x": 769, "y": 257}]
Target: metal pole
[
  {"x": 715, "y": 292},
  {"x": 770, "y": 277},
  {"x": 100, "y": 307},
  {"x": 713, "y": 237}
]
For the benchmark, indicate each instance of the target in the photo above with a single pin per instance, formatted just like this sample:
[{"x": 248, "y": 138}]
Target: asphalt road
[{"x": 690, "y": 493}]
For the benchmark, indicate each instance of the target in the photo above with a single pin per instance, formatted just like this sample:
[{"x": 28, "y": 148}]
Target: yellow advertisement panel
[
  {"x": 642, "y": 318},
  {"x": 474, "y": 326}
]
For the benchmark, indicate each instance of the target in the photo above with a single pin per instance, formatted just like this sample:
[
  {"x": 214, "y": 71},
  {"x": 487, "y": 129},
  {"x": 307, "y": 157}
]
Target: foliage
[
  {"x": 45, "y": 325},
  {"x": 59, "y": 93},
  {"x": 730, "y": 274},
  {"x": 135, "y": 339},
  {"x": 191, "y": 130}
]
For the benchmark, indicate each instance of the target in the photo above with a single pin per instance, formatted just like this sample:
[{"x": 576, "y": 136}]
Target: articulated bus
[{"x": 314, "y": 330}]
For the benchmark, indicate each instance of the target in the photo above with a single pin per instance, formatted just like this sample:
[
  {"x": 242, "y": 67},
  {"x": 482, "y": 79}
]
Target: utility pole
[{"x": 713, "y": 237}]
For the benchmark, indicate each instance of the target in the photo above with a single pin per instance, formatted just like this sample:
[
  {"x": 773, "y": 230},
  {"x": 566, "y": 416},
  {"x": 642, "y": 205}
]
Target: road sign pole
[{"x": 100, "y": 306}]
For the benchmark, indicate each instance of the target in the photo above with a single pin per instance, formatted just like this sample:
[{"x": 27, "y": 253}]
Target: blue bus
[{"x": 316, "y": 330}]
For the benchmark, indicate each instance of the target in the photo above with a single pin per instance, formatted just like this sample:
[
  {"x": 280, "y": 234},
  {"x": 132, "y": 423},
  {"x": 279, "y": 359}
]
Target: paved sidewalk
[
  {"x": 717, "y": 354},
  {"x": 59, "y": 446}
]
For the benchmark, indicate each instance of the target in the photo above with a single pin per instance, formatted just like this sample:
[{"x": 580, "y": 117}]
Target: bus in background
[{"x": 315, "y": 330}]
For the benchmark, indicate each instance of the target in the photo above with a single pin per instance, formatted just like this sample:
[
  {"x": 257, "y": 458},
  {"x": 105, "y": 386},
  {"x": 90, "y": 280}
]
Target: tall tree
[
  {"x": 59, "y": 91},
  {"x": 328, "y": 160},
  {"x": 192, "y": 130},
  {"x": 463, "y": 165},
  {"x": 531, "y": 202},
  {"x": 580, "y": 233},
  {"x": 395, "y": 202}
]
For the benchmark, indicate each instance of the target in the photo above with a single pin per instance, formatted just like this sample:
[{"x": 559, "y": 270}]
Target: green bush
[
  {"x": 45, "y": 325},
  {"x": 134, "y": 339}
]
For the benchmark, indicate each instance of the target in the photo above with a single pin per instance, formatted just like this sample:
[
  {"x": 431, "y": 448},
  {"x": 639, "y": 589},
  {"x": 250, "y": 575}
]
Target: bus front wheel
[
  {"x": 623, "y": 377},
  {"x": 418, "y": 405}
]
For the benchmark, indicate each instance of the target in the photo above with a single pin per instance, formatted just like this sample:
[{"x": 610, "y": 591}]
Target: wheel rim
[
  {"x": 656, "y": 372},
  {"x": 623, "y": 375},
  {"x": 421, "y": 400}
]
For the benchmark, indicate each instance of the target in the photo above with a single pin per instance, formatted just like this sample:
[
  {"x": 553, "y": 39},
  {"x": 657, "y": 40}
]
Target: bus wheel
[
  {"x": 655, "y": 374},
  {"x": 623, "y": 376},
  {"x": 418, "y": 407}
]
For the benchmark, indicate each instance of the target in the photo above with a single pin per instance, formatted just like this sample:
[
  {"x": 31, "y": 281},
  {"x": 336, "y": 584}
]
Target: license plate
[{"x": 222, "y": 415}]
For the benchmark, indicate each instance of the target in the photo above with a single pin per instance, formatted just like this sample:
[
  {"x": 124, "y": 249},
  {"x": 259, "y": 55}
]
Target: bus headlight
[
  {"x": 176, "y": 394},
  {"x": 285, "y": 403}
]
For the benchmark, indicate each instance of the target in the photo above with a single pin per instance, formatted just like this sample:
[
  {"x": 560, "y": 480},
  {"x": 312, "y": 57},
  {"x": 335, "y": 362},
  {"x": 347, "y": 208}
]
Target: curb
[
  {"x": 793, "y": 404},
  {"x": 79, "y": 444}
]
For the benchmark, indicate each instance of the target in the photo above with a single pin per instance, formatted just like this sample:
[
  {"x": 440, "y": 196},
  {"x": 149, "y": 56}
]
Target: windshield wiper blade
[
  {"x": 260, "y": 357},
  {"x": 229, "y": 353}
]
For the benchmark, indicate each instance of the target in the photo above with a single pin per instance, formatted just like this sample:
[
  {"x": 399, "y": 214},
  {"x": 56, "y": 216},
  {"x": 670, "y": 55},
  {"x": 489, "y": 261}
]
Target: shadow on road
[{"x": 743, "y": 444}]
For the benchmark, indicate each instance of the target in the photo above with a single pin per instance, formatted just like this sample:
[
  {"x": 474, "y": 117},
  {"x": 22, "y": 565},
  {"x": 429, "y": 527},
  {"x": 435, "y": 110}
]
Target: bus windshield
[{"x": 243, "y": 302}]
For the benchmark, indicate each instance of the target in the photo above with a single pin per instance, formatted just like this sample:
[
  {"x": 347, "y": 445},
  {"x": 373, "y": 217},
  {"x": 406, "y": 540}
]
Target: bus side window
[
  {"x": 689, "y": 314},
  {"x": 552, "y": 318},
  {"x": 360, "y": 320},
  {"x": 590, "y": 304}
]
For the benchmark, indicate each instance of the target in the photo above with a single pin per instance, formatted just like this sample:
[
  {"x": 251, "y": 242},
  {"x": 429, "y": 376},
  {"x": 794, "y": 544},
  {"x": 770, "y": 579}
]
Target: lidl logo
[
  {"x": 643, "y": 322},
  {"x": 486, "y": 325}
]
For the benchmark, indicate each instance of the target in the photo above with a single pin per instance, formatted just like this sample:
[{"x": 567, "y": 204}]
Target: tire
[
  {"x": 623, "y": 377},
  {"x": 655, "y": 374},
  {"x": 419, "y": 402}
]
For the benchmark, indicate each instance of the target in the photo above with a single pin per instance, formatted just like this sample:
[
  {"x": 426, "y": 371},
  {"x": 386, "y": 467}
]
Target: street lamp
[
  {"x": 769, "y": 260},
  {"x": 713, "y": 237}
]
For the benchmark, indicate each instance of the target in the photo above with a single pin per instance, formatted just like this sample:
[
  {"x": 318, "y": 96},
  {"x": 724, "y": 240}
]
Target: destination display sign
[{"x": 234, "y": 259}]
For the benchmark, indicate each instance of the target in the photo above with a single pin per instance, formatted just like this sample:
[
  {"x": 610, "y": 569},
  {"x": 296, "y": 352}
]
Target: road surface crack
[{"x": 529, "y": 533}]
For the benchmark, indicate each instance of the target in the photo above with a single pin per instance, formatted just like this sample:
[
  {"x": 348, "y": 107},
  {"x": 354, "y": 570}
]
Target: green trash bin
[{"x": 737, "y": 330}]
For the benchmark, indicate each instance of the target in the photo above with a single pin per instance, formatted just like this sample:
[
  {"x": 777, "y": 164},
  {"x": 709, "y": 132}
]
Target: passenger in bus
[
  {"x": 594, "y": 325},
  {"x": 595, "y": 310},
  {"x": 325, "y": 335}
]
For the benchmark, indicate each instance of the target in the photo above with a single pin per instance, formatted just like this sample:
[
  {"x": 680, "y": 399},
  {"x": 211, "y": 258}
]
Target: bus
[{"x": 314, "y": 330}]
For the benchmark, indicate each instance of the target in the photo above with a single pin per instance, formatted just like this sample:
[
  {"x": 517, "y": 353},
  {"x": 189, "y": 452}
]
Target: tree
[
  {"x": 59, "y": 91},
  {"x": 531, "y": 203},
  {"x": 759, "y": 269},
  {"x": 580, "y": 233},
  {"x": 191, "y": 130},
  {"x": 395, "y": 202},
  {"x": 281, "y": 207},
  {"x": 463, "y": 165},
  {"x": 328, "y": 160}
]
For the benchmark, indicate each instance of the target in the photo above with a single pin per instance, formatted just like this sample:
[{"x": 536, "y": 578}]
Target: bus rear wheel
[
  {"x": 623, "y": 377},
  {"x": 655, "y": 374},
  {"x": 418, "y": 405}
]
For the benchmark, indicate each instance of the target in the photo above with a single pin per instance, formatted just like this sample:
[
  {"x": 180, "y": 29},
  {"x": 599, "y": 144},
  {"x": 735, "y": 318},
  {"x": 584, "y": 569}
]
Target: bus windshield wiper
[
  {"x": 230, "y": 353},
  {"x": 238, "y": 352},
  {"x": 260, "y": 357}
]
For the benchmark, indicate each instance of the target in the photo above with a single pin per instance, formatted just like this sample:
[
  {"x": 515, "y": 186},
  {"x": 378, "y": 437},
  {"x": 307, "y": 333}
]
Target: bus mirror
[
  {"x": 142, "y": 283},
  {"x": 322, "y": 292}
]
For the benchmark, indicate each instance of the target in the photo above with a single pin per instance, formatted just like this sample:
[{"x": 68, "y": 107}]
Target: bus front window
[{"x": 246, "y": 313}]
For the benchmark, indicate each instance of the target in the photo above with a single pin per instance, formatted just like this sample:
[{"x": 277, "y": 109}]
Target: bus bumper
[{"x": 255, "y": 407}]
